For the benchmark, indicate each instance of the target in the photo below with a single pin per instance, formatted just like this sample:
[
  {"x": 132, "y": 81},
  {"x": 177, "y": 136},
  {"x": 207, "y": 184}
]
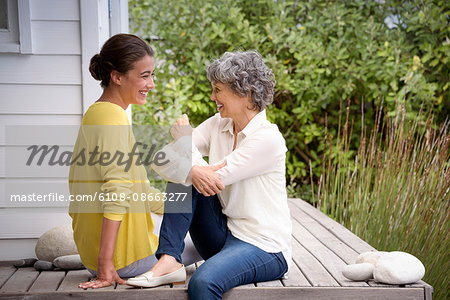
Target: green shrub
[{"x": 323, "y": 53}]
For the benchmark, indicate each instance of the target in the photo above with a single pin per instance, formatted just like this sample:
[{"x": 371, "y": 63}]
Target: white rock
[
  {"x": 369, "y": 257},
  {"x": 398, "y": 268},
  {"x": 358, "y": 272},
  {"x": 69, "y": 262},
  {"x": 56, "y": 242}
]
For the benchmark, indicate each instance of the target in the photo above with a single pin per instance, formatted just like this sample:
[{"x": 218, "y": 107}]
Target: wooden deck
[{"x": 321, "y": 248}]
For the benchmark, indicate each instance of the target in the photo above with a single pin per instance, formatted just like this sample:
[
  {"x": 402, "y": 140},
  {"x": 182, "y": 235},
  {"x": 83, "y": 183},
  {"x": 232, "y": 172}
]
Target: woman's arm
[
  {"x": 259, "y": 154},
  {"x": 186, "y": 151},
  {"x": 117, "y": 184},
  {"x": 106, "y": 273}
]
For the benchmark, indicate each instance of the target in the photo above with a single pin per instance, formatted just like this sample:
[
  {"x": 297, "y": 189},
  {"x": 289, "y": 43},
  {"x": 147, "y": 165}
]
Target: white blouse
[{"x": 254, "y": 199}]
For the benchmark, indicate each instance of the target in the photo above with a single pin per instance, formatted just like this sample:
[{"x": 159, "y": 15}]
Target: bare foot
[{"x": 165, "y": 265}]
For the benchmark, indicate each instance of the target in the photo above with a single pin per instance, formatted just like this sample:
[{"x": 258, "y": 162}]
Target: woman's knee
[{"x": 204, "y": 286}]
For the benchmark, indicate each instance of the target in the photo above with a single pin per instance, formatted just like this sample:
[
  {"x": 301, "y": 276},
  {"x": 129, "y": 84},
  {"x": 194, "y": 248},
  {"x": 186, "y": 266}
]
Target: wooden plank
[
  {"x": 5, "y": 273},
  {"x": 56, "y": 37},
  {"x": 313, "y": 270},
  {"x": 332, "y": 263},
  {"x": 47, "y": 281},
  {"x": 123, "y": 287},
  {"x": 245, "y": 286},
  {"x": 20, "y": 281},
  {"x": 55, "y": 10},
  {"x": 59, "y": 69},
  {"x": 295, "y": 277},
  {"x": 316, "y": 293},
  {"x": 40, "y": 99},
  {"x": 342, "y": 233},
  {"x": 106, "y": 288},
  {"x": 272, "y": 283},
  {"x": 341, "y": 249},
  {"x": 73, "y": 279},
  {"x": 419, "y": 283},
  {"x": 325, "y": 293},
  {"x": 372, "y": 283},
  {"x": 428, "y": 292}
]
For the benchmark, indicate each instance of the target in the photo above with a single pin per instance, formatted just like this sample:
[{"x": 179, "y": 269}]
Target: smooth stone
[
  {"x": 359, "y": 272},
  {"x": 43, "y": 265},
  {"x": 398, "y": 268},
  {"x": 69, "y": 262},
  {"x": 56, "y": 242},
  {"x": 24, "y": 263},
  {"x": 369, "y": 257}
]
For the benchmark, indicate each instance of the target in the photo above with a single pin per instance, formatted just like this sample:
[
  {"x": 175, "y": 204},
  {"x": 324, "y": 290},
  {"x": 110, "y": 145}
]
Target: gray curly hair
[{"x": 245, "y": 73}]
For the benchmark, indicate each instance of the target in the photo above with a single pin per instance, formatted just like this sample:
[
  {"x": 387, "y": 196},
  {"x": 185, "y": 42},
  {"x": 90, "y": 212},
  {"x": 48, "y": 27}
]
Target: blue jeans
[{"x": 229, "y": 261}]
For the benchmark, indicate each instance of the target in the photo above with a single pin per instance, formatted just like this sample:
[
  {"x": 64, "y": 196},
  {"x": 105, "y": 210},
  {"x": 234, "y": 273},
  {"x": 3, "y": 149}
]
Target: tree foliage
[{"x": 324, "y": 54}]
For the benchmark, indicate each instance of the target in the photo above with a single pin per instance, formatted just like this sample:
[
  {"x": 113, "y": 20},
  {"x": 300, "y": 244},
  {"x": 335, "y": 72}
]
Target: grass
[{"x": 394, "y": 193}]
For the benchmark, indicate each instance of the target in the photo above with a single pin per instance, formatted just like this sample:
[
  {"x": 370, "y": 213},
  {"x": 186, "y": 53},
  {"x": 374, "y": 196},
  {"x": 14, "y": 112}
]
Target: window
[
  {"x": 15, "y": 26},
  {"x": 3, "y": 15}
]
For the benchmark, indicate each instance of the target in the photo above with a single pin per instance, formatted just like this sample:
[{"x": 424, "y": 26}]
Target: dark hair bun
[
  {"x": 119, "y": 53},
  {"x": 95, "y": 67}
]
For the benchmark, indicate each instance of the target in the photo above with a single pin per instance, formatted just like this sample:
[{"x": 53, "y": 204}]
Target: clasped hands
[{"x": 204, "y": 178}]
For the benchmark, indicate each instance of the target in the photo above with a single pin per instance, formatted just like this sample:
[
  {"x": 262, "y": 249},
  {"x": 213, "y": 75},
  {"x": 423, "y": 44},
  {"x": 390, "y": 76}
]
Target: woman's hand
[
  {"x": 181, "y": 128},
  {"x": 205, "y": 179},
  {"x": 106, "y": 275}
]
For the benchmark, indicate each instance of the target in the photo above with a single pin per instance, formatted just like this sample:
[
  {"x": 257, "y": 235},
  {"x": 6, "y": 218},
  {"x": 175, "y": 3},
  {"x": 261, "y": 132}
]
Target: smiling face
[
  {"x": 137, "y": 82},
  {"x": 229, "y": 104}
]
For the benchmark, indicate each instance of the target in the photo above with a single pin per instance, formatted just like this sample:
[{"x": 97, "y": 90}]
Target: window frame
[{"x": 17, "y": 39}]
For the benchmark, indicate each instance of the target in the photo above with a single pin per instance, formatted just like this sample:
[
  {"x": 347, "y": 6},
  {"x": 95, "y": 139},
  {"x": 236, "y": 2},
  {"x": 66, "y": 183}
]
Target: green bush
[{"x": 323, "y": 54}]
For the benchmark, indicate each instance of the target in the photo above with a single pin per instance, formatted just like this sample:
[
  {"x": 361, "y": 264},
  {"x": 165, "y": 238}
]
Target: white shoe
[{"x": 147, "y": 279}]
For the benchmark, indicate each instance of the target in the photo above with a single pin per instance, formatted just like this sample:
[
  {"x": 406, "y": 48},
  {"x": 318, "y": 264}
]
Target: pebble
[
  {"x": 398, "y": 268},
  {"x": 69, "y": 262},
  {"x": 56, "y": 242},
  {"x": 26, "y": 262},
  {"x": 359, "y": 272},
  {"x": 369, "y": 257},
  {"x": 42, "y": 265}
]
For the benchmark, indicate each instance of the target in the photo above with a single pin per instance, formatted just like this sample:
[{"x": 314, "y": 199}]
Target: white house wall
[{"x": 48, "y": 87}]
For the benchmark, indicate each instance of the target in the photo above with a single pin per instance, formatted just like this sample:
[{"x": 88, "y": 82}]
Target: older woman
[{"x": 240, "y": 222}]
